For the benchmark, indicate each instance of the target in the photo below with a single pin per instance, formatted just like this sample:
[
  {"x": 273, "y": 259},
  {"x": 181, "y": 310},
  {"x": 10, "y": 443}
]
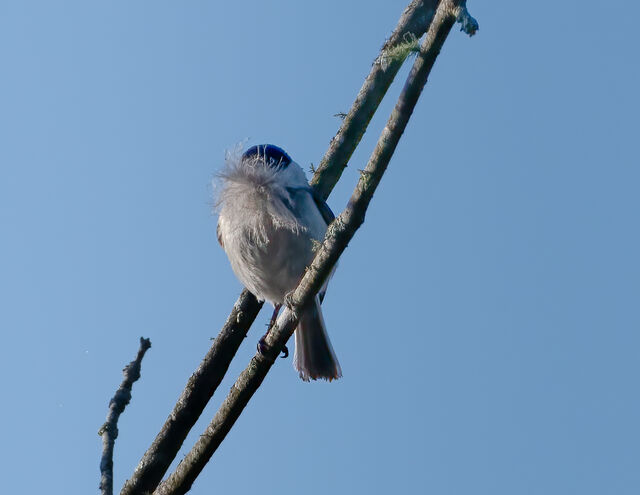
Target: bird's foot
[{"x": 263, "y": 347}]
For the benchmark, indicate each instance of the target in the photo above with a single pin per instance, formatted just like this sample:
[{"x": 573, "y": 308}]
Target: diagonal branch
[
  {"x": 109, "y": 430},
  {"x": 205, "y": 380},
  {"x": 413, "y": 23},
  {"x": 195, "y": 396},
  {"x": 340, "y": 232}
]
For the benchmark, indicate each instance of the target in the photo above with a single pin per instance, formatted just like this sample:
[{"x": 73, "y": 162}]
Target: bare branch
[
  {"x": 198, "y": 391},
  {"x": 203, "y": 383},
  {"x": 412, "y": 25},
  {"x": 109, "y": 430},
  {"x": 340, "y": 232}
]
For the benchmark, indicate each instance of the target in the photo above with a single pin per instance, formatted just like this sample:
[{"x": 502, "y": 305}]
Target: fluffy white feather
[{"x": 254, "y": 196}]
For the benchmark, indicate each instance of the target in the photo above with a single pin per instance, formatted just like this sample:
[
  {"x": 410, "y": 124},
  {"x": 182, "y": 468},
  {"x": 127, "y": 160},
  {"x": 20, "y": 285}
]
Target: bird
[{"x": 269, "y": 220}]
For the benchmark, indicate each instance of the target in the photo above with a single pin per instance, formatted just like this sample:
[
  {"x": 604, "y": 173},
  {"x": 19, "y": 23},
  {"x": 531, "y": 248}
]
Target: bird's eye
[{"x": 272, "y": 155}]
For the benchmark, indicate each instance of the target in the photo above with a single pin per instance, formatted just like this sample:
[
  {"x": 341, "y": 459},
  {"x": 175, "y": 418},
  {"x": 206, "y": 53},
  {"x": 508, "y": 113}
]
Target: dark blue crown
[{"x": 272, "y": 155}]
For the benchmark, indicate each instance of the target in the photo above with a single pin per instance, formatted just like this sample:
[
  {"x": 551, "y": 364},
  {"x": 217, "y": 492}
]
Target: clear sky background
[{"x": 486, "y": 316}]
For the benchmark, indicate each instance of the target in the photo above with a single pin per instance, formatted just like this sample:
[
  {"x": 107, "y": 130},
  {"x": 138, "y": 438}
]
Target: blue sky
[{"x": 486, "y": 315}]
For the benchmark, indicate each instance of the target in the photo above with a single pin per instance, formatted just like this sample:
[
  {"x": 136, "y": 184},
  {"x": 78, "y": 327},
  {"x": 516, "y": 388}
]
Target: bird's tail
[{"x": 314, "y": 357}]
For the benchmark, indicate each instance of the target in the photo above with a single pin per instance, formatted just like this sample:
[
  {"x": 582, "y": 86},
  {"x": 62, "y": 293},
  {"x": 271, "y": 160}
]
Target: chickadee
[{"x": 269, "y": 220}]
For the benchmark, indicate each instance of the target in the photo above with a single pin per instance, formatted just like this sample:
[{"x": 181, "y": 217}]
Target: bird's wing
[
  {"x": 325, "y": 211},
  {"x": 328, "y": 217},
  {"x": 322, "y": 205}
]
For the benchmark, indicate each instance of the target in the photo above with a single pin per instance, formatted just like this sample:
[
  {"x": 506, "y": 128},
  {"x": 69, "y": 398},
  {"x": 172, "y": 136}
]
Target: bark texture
[
  {"x": 413, "y": 23},
  {"x": 109, "y": 430}
]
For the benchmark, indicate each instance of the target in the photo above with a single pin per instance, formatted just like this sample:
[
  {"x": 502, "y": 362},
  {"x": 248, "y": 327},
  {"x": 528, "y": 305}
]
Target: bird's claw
[
  {"x": 263, "y": 347},
  {"x": 285, "y": 352}
]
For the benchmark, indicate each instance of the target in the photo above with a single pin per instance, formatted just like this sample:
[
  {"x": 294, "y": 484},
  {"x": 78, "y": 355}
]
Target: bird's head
[{"x": 268, "y": 155}]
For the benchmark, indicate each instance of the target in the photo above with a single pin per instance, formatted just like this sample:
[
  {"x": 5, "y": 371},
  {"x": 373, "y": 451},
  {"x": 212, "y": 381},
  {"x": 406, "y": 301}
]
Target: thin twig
[
  {"x": 340, "y": 232},
  {"x": 109, "y": 430},
  {"x": 205, "y": 380}
]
